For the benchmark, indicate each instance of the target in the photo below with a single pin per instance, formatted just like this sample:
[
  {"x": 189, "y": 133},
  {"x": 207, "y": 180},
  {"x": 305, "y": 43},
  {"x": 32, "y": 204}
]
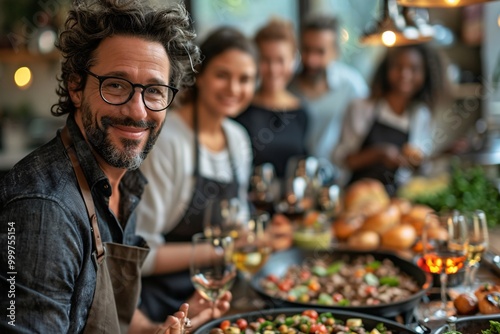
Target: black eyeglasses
[{"x": 118, "y": 91}]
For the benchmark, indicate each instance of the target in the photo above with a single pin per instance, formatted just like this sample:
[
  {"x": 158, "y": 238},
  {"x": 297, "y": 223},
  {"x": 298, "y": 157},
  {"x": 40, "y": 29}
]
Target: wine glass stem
[
  {"x": 444, "y": 282},
  {"x": 213, "y": 308}
]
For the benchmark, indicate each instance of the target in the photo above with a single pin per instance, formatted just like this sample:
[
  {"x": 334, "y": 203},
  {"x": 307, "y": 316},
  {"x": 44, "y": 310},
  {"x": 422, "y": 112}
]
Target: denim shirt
[{"x": 42, "y": 211}]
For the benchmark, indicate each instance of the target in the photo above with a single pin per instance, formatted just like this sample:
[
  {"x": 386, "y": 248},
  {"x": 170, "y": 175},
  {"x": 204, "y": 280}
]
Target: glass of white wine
[
  {"x": 478, "y": 243},
  {"x": 252, "y": 250},
  {"x": 445, "y": 248},
  {"x": 212, "y": 269}
]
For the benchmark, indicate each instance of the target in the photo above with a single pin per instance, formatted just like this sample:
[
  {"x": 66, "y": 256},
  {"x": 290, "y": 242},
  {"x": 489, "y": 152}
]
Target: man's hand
[
  {"x": 202, "y": 308},
  {"x": 175, "y": 324}
]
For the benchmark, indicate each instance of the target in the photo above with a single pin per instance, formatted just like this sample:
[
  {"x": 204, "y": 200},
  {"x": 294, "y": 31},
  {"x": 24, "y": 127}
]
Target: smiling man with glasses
[{"x": 70, "y": 257}]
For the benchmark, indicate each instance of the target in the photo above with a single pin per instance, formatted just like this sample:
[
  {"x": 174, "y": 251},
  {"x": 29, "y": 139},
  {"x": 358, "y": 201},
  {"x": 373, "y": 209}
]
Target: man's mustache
[{"x": 108, "y": 121}]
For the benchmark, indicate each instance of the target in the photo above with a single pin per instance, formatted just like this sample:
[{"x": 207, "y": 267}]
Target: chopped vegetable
[
  {"x": 371, "y": 279},
  {"x": 389, "y": 280}
]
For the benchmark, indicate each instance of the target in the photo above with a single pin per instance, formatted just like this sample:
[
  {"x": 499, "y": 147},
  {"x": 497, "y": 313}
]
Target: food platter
[
  {"x": 279, "y": 263},
  {"x": 369, "y": 321}
]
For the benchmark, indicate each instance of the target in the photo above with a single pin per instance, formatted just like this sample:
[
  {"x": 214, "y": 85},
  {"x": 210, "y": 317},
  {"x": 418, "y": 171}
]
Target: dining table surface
[{"x": 485, "y": 274}]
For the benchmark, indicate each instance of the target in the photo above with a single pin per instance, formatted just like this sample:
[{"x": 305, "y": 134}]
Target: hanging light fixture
[
  {"x": 440, "y": 3},
  {"x": 393, "y": 29}
]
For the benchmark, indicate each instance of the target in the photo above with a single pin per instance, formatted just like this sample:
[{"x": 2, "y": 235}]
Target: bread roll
[
  {"x": 366, "y": 196},
  {"x": 346, "y": 225},
  {"x": 383, "y": 220},
  {"x": 403, "y": 205},
  {"x": 364, "y": 240},
  {"x": 400, "y": 237},
  {"x": 416, "y": 217}
]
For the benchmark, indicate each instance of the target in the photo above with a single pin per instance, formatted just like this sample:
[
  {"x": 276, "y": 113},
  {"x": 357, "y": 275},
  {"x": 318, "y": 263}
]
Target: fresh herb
[{"x": 468, "y": 189}]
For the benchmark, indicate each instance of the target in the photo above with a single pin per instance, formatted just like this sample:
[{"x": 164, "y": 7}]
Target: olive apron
[
  {"x": 164, "y": 293},
  {"x": 378, "y": 134},
  {"x": 118, "y": 268}
]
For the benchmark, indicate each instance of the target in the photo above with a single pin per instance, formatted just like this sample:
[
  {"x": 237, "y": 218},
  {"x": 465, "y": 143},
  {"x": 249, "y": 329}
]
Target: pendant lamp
[
  {"x": 393, "y": 29},
  {"x": 440, "y": 3}
]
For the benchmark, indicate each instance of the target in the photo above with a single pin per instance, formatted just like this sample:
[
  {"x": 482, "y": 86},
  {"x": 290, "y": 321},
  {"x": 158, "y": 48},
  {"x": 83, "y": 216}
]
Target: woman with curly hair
[{"x": 389, "y": 134}]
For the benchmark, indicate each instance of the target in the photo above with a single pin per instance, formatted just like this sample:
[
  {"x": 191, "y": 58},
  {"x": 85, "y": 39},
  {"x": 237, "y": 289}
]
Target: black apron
[
  {"x": 378, "y": 134},
  {"x": 162, "y": 295}
]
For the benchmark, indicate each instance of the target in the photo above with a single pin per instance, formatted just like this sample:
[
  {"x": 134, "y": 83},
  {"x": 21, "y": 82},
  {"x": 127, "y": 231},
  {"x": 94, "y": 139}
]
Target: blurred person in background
[
  {"x": 388, "y": 135},
  {"x": 276, "y": 120},
  {"x": 201, "y": 156},
  {"x": 326, "y": 84}
]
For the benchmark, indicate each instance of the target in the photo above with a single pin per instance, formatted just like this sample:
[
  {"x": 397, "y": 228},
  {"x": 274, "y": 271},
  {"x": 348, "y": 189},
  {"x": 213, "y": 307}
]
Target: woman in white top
[
  {"x": 201, "y": 156},
  {"x": 387, "y": 135}
]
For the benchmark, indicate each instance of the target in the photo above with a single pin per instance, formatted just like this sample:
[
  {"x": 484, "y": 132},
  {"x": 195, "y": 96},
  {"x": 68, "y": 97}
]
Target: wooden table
[{"x": 485, "y": 274}]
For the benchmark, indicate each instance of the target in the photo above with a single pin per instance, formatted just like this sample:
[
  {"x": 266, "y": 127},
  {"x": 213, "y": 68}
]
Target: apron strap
[{"x": 86, "y": 194}]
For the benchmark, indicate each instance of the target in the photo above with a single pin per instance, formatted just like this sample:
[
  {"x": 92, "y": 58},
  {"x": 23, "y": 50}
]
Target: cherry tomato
[
  {"x": 318, "y": 329},
  {"x": 370, "y": 289},
  {"x": 311, "y": 314},
  {"x": 273, "y": 278},
  {"x": 260, "y": 320},
  {"x": 242, "y": 324},
  {"x": 304, "y": 275},
  {"x": 285, "y": 285},
  {"x": 337, "y": 297},
  {"x": 225, "y": 325}
]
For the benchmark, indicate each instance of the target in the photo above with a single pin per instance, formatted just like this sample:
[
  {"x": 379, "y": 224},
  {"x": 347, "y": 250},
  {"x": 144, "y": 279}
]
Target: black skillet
[
  {"x": 279, "y": 262},
  {"x": 369, "y": 321}
]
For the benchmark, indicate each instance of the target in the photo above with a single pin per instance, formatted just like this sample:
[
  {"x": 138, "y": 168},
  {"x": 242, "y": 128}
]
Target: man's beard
[
  {"x": 101, "y": 142},
  {"x": 313, "y": 74}
]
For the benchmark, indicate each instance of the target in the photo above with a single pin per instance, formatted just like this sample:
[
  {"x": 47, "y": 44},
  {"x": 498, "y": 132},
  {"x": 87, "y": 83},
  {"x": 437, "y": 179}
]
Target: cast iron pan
[
  {"x": 472, "y": 324},
  {"x": 279, "y": 262},
  {"x": 369, "y": 321}
]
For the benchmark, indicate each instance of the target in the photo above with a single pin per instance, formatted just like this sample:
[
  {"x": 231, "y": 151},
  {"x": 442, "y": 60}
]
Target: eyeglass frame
[{"x": 101, "y": 79}]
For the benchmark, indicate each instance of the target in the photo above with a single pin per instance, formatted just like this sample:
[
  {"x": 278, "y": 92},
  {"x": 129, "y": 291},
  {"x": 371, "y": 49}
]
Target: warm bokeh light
[
  {"x": 452, "y": 2},
  {"x": 22, "y": 77},
  {"x": 498, "y": 20},
  {"x": 389, "y": 38}
]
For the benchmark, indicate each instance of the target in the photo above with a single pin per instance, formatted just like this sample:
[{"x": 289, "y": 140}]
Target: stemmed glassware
[
  {"x": 445, "y": 248},
  {"x": 264, "y": 187},
  {"x": 224, "y": 217},
  {"x": 252, "y": 249},
  {"x": 478, "y": 243},
  {"x": 212, "y": 269}
]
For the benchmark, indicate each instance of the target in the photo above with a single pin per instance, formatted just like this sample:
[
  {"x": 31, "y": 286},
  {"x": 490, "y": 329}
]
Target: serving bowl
[
  {"x": 369, "y": 321},
  {"x": 469, "y": 325},
  {"x": 279, "y": 263}
]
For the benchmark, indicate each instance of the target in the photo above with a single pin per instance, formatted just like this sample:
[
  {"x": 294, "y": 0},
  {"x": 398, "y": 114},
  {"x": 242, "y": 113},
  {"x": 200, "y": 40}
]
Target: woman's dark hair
[
  {"x": 90, "y": 22},
  {"x": 219, "y": 41},
  {"x": 436, "y": 85}
]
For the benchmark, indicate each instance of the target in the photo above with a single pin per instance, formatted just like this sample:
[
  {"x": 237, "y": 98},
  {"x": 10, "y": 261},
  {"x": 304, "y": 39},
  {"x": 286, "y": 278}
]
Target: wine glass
[
  {"x": 264, "y": 187},
  {"x": 251, "y": 251},
  {"x": 212, "y": 270},
  {"x": 445, "y": 247},
  {"x": 224, "y": 216},
  {"x": 478, "y": 243}
]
